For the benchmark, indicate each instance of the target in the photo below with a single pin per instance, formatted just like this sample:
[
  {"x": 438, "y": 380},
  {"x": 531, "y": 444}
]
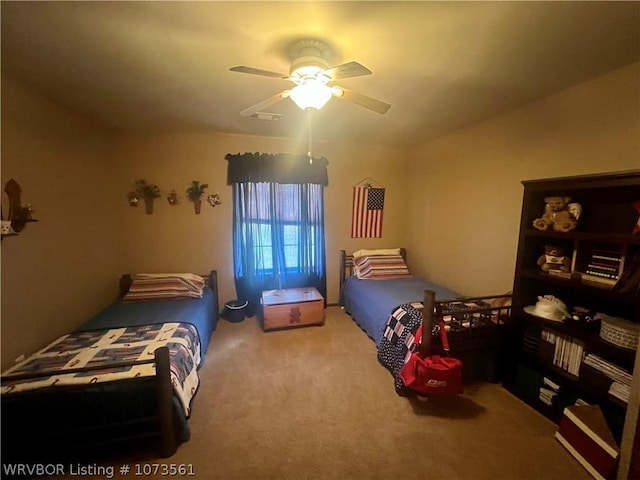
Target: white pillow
[{"x": 378, "y": 251}]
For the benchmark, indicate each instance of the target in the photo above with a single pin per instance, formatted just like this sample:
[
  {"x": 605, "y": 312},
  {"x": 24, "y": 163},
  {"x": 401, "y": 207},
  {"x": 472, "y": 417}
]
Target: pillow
[
  {"x": 380, "y": 267},
  {"x": 379, "y": 251},
  {"x": 152, "y": 286}
]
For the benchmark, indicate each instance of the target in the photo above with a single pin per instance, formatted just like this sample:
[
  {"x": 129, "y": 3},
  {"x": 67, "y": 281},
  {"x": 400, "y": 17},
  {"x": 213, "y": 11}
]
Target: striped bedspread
[{"x": 99, "y": 348}]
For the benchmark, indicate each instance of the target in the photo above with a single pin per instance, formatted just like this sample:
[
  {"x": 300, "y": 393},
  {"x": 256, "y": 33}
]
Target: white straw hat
[{"x": 550, "y": 308}]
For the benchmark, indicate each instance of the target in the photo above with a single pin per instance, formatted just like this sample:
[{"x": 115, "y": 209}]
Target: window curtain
[{"x": 278, "y": 224}]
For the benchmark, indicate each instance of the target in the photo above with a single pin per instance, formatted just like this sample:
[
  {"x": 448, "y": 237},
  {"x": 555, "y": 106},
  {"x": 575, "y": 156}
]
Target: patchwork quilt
[
  {"x": 100, "y": 348},
  {"x": 401, "y": 330},
  {"x": 399, "y": 340}
]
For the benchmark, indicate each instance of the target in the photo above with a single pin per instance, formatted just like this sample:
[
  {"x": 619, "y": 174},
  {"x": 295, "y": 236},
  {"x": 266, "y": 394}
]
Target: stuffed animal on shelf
[
  {"x": 554, "y": 259},
  {"x": 557, "y": 215}
]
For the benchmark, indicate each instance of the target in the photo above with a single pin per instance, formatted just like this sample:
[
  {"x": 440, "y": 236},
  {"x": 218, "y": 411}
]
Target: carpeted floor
[{"x": 314, "y": 403}]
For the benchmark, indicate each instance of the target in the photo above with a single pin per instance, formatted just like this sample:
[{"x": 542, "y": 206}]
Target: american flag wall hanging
[{"x": 366, "y": 212}]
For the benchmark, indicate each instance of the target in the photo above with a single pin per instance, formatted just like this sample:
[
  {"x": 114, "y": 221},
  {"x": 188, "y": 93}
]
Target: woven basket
[{"x": 622, "y": 333}]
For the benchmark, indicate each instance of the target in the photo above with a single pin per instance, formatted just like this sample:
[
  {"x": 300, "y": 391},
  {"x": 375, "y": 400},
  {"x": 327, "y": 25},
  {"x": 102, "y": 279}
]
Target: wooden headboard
[{"x": 346, "y": 268}]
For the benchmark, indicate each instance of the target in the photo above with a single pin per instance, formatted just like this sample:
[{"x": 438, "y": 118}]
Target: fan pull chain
[{"x": 309, "y": 136}]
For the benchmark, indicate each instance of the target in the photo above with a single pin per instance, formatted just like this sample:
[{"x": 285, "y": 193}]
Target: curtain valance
[{"x": 276, "y": 168}]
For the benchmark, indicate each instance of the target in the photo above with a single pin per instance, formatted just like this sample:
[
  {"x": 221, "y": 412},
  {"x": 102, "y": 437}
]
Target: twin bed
[
  {"x": 388, "y": 303},
  {"x": 129, "y": 374}
]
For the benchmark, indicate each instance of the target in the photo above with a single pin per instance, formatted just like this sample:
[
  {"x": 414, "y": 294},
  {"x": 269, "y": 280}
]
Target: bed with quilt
[
  {"x": 387, "y": 302},
  {"x": 127, "y": 376}
]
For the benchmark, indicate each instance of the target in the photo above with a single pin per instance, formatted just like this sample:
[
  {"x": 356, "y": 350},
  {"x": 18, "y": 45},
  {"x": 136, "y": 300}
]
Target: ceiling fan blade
[
  {"x": 247, "y": 112},
  {"x": 347, "y": 70},
  {"x": 362, "y": 100},
  {"x": 257, "y": 71}
]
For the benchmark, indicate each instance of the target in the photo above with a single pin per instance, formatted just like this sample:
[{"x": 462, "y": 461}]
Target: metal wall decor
[
  {"x": 214, "y": 199},
  {"x": 173, "y": 198},
  {"x": 147, "y": 192},
  {"x": 18, "y": 215}
]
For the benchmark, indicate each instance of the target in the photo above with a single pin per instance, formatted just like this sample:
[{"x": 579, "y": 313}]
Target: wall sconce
[{"x": 18, "y": 215}]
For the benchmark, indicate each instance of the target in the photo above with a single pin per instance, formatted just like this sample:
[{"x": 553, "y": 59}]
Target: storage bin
[{"x": 235, "y": 310}]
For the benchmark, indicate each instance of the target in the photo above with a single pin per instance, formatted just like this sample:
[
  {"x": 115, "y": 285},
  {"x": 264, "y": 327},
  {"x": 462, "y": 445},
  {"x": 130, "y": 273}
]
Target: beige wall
[
  {"x": 466, "y": 193},
  {"x": 62, "y": 269},
  {"x": 175, "y": 238}
]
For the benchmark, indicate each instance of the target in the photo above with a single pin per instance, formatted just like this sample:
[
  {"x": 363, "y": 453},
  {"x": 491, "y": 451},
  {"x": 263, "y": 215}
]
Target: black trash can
[{"x": 235, "y": 310}]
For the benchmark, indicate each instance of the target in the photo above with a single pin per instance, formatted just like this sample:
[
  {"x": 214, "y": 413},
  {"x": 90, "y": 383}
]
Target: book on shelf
[
  {"x": 609, "y": 369},
  {"x": 620, "y": 391},
  {"x": 568, "y": 351},
  {"x": 548, "y": 391},
  {"x": 547, "y": 396},
  {"x": 548, "y": 383}
]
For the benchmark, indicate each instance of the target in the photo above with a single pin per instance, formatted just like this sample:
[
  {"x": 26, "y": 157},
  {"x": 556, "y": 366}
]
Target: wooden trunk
[{"x": 292, "y": 307}]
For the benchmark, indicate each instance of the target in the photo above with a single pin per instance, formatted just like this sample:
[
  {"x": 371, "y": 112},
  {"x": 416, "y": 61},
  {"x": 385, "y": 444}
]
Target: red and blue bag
[{"x": 433, "y": 374}]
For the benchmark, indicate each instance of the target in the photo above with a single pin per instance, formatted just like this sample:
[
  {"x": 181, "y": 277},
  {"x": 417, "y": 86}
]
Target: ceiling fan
[{"x": 313, "y": 79}]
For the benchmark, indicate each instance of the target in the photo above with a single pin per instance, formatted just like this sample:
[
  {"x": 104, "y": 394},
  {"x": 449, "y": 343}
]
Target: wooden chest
[{"x": 292, "y": 307}]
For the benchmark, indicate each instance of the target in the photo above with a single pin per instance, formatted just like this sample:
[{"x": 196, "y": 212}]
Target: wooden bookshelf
[{"x": 604, "y": 230}]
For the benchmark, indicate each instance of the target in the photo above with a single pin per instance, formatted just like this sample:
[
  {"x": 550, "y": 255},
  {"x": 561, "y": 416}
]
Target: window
[
  {"x": 269, "y": 228},
  {"x": 278, "y": 234}
]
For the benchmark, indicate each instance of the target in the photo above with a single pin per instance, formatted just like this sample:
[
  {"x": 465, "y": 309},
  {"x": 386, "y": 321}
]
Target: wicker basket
[{"x": 622, "y": 333}]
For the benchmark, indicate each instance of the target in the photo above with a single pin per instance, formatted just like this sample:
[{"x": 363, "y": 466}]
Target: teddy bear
[
  {"x": 557, "y": 215},
  {"x": 554, "y": 259}
]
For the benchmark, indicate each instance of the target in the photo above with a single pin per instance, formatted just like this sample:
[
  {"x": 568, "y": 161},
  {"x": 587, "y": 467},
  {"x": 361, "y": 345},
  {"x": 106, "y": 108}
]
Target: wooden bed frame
[
  {"x": 465, "y": 342},
  {"x": 161, "y": 425}
]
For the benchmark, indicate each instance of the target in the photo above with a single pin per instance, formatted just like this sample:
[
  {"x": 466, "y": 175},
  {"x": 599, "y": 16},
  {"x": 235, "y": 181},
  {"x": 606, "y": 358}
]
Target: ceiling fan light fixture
[
  {"x": 301, "y": 74},
  {"x": 311, "y": 94},
  {"x": 311, "y": 74}
]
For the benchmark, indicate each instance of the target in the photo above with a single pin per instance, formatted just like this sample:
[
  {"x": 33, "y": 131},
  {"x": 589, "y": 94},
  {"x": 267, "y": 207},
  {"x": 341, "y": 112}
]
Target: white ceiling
[{"x": 441, "y": 65}]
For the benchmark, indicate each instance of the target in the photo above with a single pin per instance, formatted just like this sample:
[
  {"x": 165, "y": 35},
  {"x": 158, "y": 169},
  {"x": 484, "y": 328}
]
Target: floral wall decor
[
  {"x": 214, "y": 199},
  {"x": 145, "y": 191},
  {"x": 195, "y": 192}
]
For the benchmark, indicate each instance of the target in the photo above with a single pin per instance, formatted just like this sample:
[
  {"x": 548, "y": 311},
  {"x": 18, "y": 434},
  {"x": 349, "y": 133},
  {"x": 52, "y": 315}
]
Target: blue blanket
[
  {"x": 199, "y": 312},
  {"x": 370, "y": 302}
]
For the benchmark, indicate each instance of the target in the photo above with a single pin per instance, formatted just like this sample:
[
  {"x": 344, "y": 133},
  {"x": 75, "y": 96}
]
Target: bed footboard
[
  {"x": 475, "y": 329},
  {"x": 168, "y": 440},
  {"x": 84, "y": 419}
]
